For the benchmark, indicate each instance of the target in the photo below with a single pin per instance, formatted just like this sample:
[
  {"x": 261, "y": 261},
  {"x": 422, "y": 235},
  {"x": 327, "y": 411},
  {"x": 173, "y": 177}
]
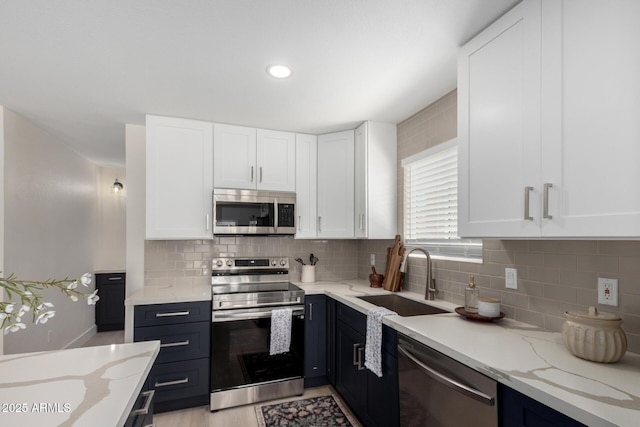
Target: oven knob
[
  {"x": 219, "y": 263},
  {"x": 283, "y": 262},
  {"x": 229, "y": 263},
  {"x": 274, "y": 262}
]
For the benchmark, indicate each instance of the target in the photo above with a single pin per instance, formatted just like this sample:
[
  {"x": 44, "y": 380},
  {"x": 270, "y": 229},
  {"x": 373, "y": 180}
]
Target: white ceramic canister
[
  {"x": 488, "y": 307},
  {"x": 308, "y": 274},
  {"x": 594, "y": 336}
]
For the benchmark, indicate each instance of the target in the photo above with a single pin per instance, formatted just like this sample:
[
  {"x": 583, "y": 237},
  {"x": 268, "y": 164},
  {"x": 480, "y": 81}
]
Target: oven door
[{"x": 240, "y": 341}]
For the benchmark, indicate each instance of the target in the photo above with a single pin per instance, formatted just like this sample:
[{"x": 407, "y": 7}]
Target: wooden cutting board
[{"x": 392, "y": 273}]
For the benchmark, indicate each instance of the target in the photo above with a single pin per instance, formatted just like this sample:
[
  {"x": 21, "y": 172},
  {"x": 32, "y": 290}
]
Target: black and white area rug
[{"x": 317, "y": 411}]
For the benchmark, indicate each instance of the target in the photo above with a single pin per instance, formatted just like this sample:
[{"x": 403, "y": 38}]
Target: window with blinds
[{"x": 431, "y": 204}]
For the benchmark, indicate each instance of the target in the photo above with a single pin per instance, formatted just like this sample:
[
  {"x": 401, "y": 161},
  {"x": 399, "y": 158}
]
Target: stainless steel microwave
[{"x": 253, "y": 212}]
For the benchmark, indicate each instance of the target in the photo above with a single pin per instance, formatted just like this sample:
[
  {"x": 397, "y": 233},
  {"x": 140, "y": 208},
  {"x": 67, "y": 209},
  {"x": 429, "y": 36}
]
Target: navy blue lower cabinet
[
  {"x": 180, "y": 374},
  {"x": 374, "y": 400},
  {"x": 331, "y": 340},
  {"x": 315, "y": 341},
  {"x": 518, "y": 410}
]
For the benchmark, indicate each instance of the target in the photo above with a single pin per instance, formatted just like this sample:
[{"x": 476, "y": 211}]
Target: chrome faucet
[{"x": 431, "y": 291}]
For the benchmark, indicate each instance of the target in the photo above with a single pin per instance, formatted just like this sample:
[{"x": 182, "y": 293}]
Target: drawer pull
[
  {"x": 172, "y": 314},
  {"x": 115, "y": 278},
  {"x": 176, "y": 382},
  {"x": 527, "y": 192},
  {"x": 174, "y": 344},
  {"x": 145, "y": 408}
]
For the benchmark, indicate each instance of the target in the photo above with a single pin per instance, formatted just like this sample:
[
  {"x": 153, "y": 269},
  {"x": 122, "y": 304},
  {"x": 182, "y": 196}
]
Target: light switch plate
[
  {"x": 372, "y": 258},
  {"x": 607, "y": 291},
  {"x": 511, "y": 278}
]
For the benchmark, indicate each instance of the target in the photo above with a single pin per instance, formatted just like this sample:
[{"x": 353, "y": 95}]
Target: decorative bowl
[{"x": 594, "y": 336}]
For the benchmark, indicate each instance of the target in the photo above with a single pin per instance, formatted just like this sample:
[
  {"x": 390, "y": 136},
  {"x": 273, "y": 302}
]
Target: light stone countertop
[
  {"x": 530, "y": 360},
  {"x": 90, "y": 386},
  {"x": 169, "y": 294}
]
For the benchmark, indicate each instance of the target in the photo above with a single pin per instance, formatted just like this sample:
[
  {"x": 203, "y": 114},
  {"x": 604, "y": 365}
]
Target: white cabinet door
[
  {"x": 376, "y": 181},
  {"x": 234, "y": 157},
  {"x": 276, "y": 160},
  {"x": 591, "y": 111},
  {"x": 306, "y": 185},
  {"x": 336, "y": 185},
  {"x": 179, "y": 178},
  {"x": 499, "y": 127}
]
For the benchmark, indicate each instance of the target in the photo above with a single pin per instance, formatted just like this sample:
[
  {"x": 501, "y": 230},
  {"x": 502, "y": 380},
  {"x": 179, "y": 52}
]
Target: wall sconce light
[{"x": 117, "y": 186}]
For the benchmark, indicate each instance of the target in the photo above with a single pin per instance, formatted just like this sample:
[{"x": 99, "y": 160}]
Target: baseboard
[{"x": 83, "y": 338}]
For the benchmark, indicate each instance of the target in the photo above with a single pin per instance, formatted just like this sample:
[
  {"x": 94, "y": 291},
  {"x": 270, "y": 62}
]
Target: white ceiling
[{"x": 82, "y": 69}]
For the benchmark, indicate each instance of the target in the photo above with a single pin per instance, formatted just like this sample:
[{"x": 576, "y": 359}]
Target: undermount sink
[{"x": 403, "y": 306}]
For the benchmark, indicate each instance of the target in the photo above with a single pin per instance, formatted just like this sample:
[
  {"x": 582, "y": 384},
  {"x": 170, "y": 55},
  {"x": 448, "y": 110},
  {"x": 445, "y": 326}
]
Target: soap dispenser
[{"x": 471, "y": 297}]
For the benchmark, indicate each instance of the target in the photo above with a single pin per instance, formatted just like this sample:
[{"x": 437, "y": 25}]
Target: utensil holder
[{"x": 308, "y": 274}]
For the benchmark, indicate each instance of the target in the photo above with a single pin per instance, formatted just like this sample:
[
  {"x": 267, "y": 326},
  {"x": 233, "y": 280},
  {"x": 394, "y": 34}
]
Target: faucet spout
[{"x": 430, "y": 293}]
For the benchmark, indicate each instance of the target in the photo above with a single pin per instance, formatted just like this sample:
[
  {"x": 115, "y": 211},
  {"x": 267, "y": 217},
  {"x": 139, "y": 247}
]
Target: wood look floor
[{"x": 241, "y": 416}]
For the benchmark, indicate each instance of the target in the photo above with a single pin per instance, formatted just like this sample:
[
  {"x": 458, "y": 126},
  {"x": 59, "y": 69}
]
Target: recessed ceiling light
[{"x": 279, "y": 71}]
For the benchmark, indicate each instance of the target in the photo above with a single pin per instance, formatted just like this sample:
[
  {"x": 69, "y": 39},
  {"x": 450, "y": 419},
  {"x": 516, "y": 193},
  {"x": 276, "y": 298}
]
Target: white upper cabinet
[
  {"x": 499, "y": 126},
  {"x": 336, "y": 185},
  {"x": 247, "y": 158},
  {"x": 276, "y": 160},
  {"x": 590, "y": 115},
  {"x": 179, "y": 178},
  {"x": 548, "y": 132},
  {"x": 306, "y": 185},
  {"x": 375, "y": 181},
  {"x": 234, "y": 156}
]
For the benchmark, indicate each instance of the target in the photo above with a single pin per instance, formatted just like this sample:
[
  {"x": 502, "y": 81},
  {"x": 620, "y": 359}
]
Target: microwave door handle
[{"x": 275, "y": 215}]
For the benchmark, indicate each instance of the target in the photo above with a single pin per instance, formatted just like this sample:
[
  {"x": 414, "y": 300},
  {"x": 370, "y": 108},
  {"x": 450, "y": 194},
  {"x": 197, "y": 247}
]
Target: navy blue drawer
[
  {"x": 166, "y": 314},
  {"x": 178, "y": 342},
  {"x": 179, "y": 380}
]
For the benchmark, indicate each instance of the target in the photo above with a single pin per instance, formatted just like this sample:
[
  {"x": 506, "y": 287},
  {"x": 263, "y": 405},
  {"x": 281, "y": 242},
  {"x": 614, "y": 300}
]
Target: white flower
[
  {"x": 3, "y": 316},
  {"x": 44, "y": 305},
  {"x": 9, "y": 308},
  {"x": 85, "y": 279},
  {"x": 44, "y": 317},
  {"x": 93, "y": 298},
  {"x": 28, "y": 293},
  {"x": 73, "y": 298},
  {"x": 14, "y": 328},
  {"x": 26, "y": 308},
  {"x": 72, "y": 285}
]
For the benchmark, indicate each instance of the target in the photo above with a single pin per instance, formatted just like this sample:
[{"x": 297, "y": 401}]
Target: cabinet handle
[
  {"x": 145, "y": 408},
  {"x": 527, "y": 192},
  {"x": 361, "y": 358},
  {"x": 251, "y": 173},
  {"x": 176, "y": 382},
  {"x": 115, "y": 278},
  {"x": 206, "y": 222},
  {"x": 355, "y": 354},
  {"x": 545, "y": 201},
  {"x": 299, "y": 223},
  {"x": 260, "y": 173},
  {"x": 175, "y": 344},
  {"x": 319, "y": 223},
  {"x": 172, "y": 314},
  {"x": 310, "y": 311}
]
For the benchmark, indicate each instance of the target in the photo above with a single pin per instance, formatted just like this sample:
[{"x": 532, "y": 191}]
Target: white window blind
[{"x": 431, "y": 204}]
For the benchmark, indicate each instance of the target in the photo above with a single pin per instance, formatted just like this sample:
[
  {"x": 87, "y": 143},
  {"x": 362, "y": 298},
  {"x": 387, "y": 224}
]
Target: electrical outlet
[
  {"x": 607, "y": 291},
  {"x": 49, "y": 334},
  {"x": 511, "y": 278},
  {"x": 372, "y": 258}
]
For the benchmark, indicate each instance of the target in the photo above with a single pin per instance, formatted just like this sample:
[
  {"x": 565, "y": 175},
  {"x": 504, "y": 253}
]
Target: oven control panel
[{"x": 235, "y": 263}]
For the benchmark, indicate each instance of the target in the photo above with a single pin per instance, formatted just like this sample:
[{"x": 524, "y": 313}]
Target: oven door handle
[
  {"x": 231, "y": 315},
  {"x": 275, "y": 215},
  {"x": 448, "y": 382}
]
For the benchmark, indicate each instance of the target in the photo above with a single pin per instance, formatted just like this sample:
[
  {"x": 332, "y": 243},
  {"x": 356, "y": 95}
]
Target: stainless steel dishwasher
[{"x": 437, "y": 391}]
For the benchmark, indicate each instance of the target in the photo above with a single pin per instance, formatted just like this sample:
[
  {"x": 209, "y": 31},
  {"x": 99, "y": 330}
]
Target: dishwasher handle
[{"x": 449, "y": 382}]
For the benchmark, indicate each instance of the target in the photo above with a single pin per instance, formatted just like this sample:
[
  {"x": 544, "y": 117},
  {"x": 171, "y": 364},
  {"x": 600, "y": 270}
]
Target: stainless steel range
[{"x": 245, "y": 291}]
